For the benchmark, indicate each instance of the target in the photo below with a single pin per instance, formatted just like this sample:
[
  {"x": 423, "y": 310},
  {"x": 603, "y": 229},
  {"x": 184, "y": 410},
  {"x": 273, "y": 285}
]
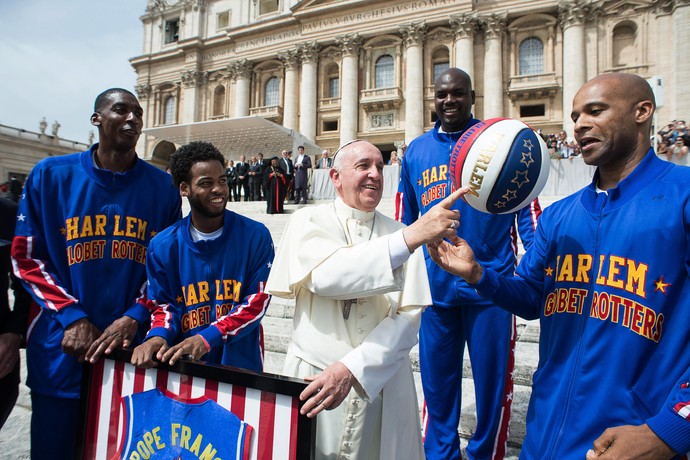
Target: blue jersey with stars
[
  {"x": 214, "y": 288},
  {"x": 608, "y": 276},
  {"x": 159, "y": 425},
  {"x": 80, "y": 250}
]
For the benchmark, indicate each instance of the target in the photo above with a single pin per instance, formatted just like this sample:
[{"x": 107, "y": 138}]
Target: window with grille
[
  {"x": 334, "y": 87},
  {"x": 384, "y": 69},
  {"x": 272, "y": 92},
  {"x": 169, "y": 111},
  {"x": 531, "y": 56},
  {"x": 439, "y": 68}
]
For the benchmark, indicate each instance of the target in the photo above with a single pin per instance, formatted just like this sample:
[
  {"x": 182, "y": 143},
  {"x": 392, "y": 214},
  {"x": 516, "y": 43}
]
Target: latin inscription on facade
[
  {"x": 267, "y": 40},
  {"x": 378, "y": 13}
]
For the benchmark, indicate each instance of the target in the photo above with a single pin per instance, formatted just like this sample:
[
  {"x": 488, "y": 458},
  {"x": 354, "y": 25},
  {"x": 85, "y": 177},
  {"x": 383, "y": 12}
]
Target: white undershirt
[{"x": 197, "y": 235}]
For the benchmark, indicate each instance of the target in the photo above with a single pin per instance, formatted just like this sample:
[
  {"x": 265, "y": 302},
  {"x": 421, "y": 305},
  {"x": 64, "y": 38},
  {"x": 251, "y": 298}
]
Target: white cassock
[{"x": 318, "y": 265}]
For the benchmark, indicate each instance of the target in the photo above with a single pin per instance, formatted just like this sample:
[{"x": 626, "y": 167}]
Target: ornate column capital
[
  {"x": 309, "y": 51},
  {"x": 290, "y": 59},
  {"x": 194, "y": 77},
  {"x": 494, "y": 25},
  {"x": 143, "y": 91},
  {"x": 414, "y": 33},
  {"x": 464, "y": 25},
  {"x": 349, "y": 44},
  {"x": 572, "y": 13},
  {"x": 240, "y": 69}
]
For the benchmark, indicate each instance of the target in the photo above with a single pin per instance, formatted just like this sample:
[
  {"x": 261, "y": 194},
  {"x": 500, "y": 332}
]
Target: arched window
[
  {"x": 384, "y": 71},
  {"x": 624, "y": 44},
  {"x": 219, "y": 101},
  {"x": 531, "y": 56},
  {"x": 169, "y": 111},
  {"x": 272, "y": 92}
]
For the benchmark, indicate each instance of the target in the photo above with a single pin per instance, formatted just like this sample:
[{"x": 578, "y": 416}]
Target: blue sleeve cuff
[
  {"x": 487, "y": 284},
  {"x": 70, "y": 314},
  {"x": 673, "y": 429},
  {"x": 212, "y": 335},
  {"x": 139, "y": 313},
  {"x": 166, "y": 334}
]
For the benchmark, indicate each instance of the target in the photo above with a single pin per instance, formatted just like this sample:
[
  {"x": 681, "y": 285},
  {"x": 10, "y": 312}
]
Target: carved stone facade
[{"x": 339, "y": 70}]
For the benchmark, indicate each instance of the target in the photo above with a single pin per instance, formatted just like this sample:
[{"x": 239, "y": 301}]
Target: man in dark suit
[
  {"x": 302, "y": 166},
  {"x": 256, "y": 174},
  {"x": 242, "y": 170},
  {"x": 287, "y": 166},
  {"x": 231, "y": 174},
  {"x": 324, "y": 162},
  {"x": 264, "y": 166}
]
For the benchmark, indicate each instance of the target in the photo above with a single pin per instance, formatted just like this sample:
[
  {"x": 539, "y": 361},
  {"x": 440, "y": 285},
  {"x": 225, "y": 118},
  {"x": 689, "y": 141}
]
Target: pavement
[{"x": 14, "y": 436}]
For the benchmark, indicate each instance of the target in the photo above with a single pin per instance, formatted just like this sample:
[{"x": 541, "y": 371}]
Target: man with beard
[
  {"x": 207, "y": 273},
  {"x": 458, "y": 316},
  {"x": 83, "y": 226}
]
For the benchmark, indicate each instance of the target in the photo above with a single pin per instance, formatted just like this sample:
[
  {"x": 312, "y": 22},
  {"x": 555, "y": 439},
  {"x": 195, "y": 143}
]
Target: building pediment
[{"x": 617, "y": 7}]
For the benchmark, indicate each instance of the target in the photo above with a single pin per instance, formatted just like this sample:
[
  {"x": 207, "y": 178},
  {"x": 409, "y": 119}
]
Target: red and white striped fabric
[{"x": 264, "y": 411}]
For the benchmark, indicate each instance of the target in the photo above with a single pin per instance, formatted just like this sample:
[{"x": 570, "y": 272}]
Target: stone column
[
  {"x": 680, "y": 65},
  {"x": 572, "y": 19},
  {"x": 241, "y": 71},
  {"x": 349, "y": 91},
  {"x": 464, "y": 27},
  {"x": 413, "y": 37},
  {"x": 192, "y": 80},
  {"x": 290, "y": 61},
  {"x": 493, "y": 66},
  {"x": 309, "y": 53},
  {"x": 144, "y": 93}
]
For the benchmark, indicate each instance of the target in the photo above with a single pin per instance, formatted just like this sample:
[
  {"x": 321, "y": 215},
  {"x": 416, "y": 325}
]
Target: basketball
[{"x": 504, "y": 163}]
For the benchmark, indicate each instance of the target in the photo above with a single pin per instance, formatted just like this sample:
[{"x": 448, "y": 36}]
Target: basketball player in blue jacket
[
  {"x": 207, "y": 273},
  {"x": 458, "y": 315}
]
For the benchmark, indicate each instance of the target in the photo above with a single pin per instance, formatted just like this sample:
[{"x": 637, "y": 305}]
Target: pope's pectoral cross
[{"x": 347, "y": 305}]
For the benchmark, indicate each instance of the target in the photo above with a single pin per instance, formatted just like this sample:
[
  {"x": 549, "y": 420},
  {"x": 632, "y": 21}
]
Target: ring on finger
[{"x": 452, "y": 224}]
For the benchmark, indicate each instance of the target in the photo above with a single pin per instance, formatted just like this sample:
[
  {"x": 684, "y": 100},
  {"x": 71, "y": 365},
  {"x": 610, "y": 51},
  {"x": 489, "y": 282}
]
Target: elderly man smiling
[{"x": 360, "y": 286}]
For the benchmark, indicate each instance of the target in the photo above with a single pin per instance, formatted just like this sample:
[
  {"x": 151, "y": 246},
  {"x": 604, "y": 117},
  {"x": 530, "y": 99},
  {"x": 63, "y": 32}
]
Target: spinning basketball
[{"x": 503, "y": 161}]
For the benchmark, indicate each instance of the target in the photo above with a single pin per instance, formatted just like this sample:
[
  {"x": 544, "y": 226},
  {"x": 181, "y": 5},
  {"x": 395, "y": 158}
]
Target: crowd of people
[
  {"x": 108, "y": 264},
  {"x": 673, "y": 142}
]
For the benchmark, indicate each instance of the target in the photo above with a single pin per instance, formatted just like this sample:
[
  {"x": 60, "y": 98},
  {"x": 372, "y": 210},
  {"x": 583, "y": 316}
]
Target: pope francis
[{"x": 359, "y": 283}]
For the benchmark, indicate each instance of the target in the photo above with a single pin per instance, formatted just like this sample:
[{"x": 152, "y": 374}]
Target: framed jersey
[{"x": 192, "y": 410}]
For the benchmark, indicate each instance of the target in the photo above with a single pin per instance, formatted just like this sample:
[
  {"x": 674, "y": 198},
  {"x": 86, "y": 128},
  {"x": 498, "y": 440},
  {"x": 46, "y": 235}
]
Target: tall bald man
[
  {"x": 458, "y": 316},
  {"x": 609, "y": 278},
  {"x": 359, "y": 284}
]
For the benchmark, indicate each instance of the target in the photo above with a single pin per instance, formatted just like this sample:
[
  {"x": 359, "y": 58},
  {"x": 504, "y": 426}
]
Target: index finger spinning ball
[{"x": 504, "y": 163}]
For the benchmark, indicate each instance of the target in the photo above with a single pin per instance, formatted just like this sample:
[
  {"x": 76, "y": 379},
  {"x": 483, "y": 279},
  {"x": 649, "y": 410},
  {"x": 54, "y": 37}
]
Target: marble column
[
  {"x": 241, "y": 71},
  {"x": 494, "y": 26},
  {"x": 309, "y": 53},
  {"x": 679, "y": 71},
  {"x": 192, "y": 100},
  {"x": 464, "y": 27},
  {"x": 413, "y": 37},
  {"x": 572, "y": 19},
  {"x": 349, "y": 89},
  {"x": 290, "y": 61},
  {"x": 144, "y": 93}
]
